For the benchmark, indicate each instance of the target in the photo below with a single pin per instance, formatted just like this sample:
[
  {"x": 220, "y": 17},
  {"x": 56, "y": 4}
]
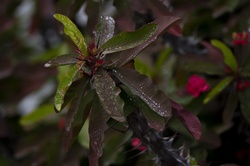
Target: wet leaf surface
[
  {"x": 108, "y": 94},
  {"x": 143, "y": 87},
  {"x": 128, "y": 40},
  {"x": 104, "y": 30},
  {"x": 73, "y": 32},
  {"x": 66, "y": 59},
  {"x": 133, "y": 103},
  {"x": 164, "y": 23},
  {"x": 64, "y": 86}
]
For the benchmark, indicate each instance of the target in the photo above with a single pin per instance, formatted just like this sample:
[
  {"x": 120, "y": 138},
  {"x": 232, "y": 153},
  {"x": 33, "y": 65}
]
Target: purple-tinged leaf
[
  {"x": 108, "y": 94},
  {"x": 64, "y": 86},
  {"x": 97, "y": 127},
  {"x": 188, "y": 119},
  {"x": 104, "y": 30},
  {"x": 66, "y": 59},
  {"x": 75, "y": 105},
  {"x": 75, "y": 119},
  {"x": 119, "y": 59},
  {"x": 143, "y": 87},
  {"x": 244, "y": 96},
  {"x": 73, "y": 32},
  {"x": 93, "y": 158},
  {"x": 154, "y": 120},
  {"x": 128, "y": 40}
]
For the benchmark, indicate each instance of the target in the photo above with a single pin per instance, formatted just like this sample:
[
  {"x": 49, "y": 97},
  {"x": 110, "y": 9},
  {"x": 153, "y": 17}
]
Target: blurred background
[{"x": 30, "y": 130}]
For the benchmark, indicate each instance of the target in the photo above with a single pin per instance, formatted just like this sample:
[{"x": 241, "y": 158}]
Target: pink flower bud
[
  {"x": 136, "y": 142},
  {"x": 241, "y": 85},
  {"x": 196, "y": 85}
]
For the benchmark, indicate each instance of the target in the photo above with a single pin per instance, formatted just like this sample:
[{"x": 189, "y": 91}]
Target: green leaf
[
  {"x": 97, "y": 127},
  {"x": 64, "y": 86},
  {"x": 244, "y": 96},
  {"x": 37, "y": 115},
  {"x": 154, "y": 120},
  {"x": 143, "y": 68},
  {"x": 143, "y": 87},
  {"x": 108, "y": 94},
  {"x": 104, "y": 30},
  {"x": 229, "y": 57},
  {"x": 121, "y": 58},
  {"x": 127, "y": 40},
  {"x": 162, "y": 58},
  {"x": 62, "y": 60},
  {"x": 73, "y": 32},
  {"x": 217, "y": 89},
  {"x": 83, "y": 136}
]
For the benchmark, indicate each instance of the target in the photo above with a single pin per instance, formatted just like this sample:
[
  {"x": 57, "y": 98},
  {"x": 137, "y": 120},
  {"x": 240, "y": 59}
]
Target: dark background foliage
[{"x": 29, "y": 37}]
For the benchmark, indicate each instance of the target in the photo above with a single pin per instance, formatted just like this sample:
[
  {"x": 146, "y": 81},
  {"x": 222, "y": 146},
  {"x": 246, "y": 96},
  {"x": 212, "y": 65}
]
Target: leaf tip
[
  {"x": 56, "y": 15},
  {"x": 47, "y": 65},
  {"x": 58, "y": 107}
]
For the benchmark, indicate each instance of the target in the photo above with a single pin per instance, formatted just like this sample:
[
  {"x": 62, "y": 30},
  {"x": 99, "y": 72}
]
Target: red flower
[
  {"x": 196, "y": 85},
  {"x": 240, "y": 38},
  {"x": 242, "y": 85},
  {"x": 136, "y": 142}
]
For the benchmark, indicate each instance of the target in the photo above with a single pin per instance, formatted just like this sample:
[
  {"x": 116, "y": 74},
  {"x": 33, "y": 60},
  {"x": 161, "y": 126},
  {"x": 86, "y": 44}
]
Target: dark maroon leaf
[
  {"x": 108, "y": 94},
  {"x": 154, "y": 120},
  {"x": 123, "y": 57},
  {"x": 143, "y": 87},
  {"x": 188, "y": 119},
  {"x": 246, "y": 67},
  {"x": 97, "y": 127},
  {"x": 244, "y": 96},
  {"x": 104, "y": 30},
  {"x": 230, "y": 106},
  {"x": 74, "y": 106},
  {"x": 76, "y": 119},
  {"x": 93, "y": 158},
  {"x": 62, "y": 60}
]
